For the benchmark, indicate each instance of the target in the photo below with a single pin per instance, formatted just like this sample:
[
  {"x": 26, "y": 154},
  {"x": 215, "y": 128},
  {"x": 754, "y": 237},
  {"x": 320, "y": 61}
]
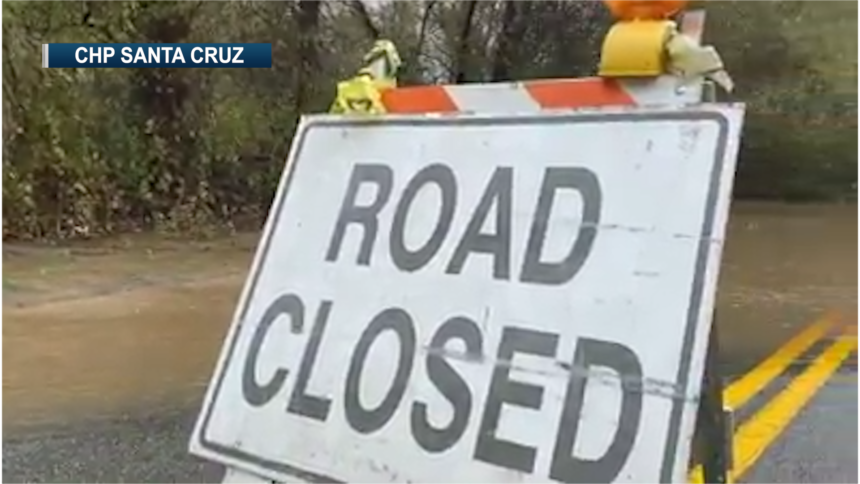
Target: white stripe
[
  {"x": 693, "y": 25},
  {"x": 508, "y": 97},
  {"x": 512, "y": 97},
  {"x": 44, "y": 55},
  {"x": 665, "y": 91}
]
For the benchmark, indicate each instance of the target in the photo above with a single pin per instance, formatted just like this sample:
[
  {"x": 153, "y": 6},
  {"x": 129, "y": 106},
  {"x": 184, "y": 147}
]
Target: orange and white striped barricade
[{"x": 535, "y": 96}]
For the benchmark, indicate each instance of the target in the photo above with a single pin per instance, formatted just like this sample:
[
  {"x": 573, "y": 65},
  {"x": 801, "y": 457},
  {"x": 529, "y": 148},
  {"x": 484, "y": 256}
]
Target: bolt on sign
[{"x": 480, "y": 298}]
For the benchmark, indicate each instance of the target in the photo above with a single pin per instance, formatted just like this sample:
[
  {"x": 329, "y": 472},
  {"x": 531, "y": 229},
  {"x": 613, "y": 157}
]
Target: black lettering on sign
[
  {"x": 365, "y": 420},
  {"x": 498, "y": 193},
  {"x": 488, "y": 447},
  {"x": 589, "y": 352},
  {"x": 257, "y": 394},
  {"x": 366, "y": 217},
  {"x": 576, "y": 178},
  {"x": 411, "y": 260},
  {"x": 450, "y": 384},
  {"x": 301, "y": 403}
]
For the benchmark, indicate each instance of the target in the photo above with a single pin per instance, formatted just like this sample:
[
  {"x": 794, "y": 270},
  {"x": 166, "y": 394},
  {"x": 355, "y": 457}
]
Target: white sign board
[{"x": 480, "y": 299}]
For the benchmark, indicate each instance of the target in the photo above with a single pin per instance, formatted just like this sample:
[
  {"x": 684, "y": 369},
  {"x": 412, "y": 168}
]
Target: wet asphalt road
[
  {"x": 819, "y": 446},
  {"x": 772, "y": 288},
  {"x": 149, "y": 449}
]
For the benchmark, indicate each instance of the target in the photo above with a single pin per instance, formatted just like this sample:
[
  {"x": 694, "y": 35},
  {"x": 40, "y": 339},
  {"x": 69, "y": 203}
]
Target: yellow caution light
[
  {"x": 635, "y": 46},
  {"x": 636, "y": 49}
]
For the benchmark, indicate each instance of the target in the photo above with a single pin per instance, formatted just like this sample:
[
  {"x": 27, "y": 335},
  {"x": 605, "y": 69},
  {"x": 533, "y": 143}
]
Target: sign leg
[{"x": 714, "y": 434}]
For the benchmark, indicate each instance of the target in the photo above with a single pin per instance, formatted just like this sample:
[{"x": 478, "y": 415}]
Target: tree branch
[
  {"x": 88, "y": 21},
  {"x": 466, "y": 29},
  {"x": 9, "y": 87},
  {"x": 357, "y": 6},
  {"x": 423, "y": 30}
]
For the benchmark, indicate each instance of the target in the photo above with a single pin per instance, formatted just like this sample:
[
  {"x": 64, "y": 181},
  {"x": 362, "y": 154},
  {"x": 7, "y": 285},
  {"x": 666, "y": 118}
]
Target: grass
[
  {"x": 834, "y": 53},
  {"x": 9, "y": 285}
]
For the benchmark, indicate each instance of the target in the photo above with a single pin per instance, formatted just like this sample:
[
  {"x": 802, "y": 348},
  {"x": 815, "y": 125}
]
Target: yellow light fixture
[
  {"x": 635, "y": 45},
  {"x": 645, "y": 43},
  {"x": 635, "y": 49}
]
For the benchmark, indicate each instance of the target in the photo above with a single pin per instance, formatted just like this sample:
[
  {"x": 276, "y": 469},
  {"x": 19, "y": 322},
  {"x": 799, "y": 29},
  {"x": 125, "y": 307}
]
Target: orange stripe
[
  {"x": 578, "y": 93},
  {"x": 419, "y": 99},
  {"x": 570, "y": 93}
]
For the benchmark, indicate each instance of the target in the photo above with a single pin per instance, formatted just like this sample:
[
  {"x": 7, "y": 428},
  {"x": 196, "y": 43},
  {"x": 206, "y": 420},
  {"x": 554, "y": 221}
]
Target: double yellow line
[{"x": 759, "y": 432}]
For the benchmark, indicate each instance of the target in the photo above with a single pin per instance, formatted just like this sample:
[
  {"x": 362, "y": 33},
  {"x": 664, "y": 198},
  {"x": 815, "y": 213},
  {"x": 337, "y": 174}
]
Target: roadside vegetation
[{"x": 90, "y": 152}]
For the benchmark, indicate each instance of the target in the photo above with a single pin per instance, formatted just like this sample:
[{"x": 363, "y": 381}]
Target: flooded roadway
[{"x": 108, "y": 347}]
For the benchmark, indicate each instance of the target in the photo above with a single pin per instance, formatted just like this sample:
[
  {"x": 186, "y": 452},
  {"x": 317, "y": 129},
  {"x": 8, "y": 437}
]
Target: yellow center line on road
[
  {"x": 742, "y": 390},
  {"x": 756, "y": 435}
]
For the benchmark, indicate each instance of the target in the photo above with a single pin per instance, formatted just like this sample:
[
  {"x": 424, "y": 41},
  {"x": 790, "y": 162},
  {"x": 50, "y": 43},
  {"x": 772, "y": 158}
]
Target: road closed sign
[{"x": 480, "y": 298}]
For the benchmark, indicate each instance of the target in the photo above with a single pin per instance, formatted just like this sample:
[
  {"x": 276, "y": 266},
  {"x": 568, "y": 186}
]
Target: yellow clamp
[{"x": 362, "y": 94}]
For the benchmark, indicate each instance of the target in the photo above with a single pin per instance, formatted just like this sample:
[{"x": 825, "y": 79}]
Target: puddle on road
[
  {"x": 125, "y": 352},
  {"x": 783, "y": 267},
  {"x": 143, "y": 345}
]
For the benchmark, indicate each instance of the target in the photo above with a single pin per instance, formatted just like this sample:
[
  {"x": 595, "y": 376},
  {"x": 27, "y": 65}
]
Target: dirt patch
[
  {"x": 852, "y": 329},
  {"x": 152, "y": 346},
  {"x": 110, "y": 327},
  {"x": 34, "y": 274},
  {"x": 783, "y": 267}
]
